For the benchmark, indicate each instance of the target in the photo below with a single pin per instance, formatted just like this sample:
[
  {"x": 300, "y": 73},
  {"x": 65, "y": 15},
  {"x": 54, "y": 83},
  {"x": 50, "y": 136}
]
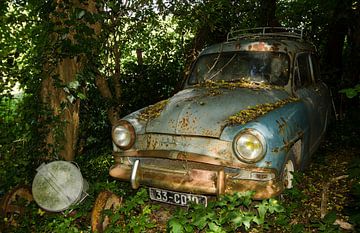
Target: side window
[
  {"x": 302, "y": 74},
  {"x": 316, "y": 67}
]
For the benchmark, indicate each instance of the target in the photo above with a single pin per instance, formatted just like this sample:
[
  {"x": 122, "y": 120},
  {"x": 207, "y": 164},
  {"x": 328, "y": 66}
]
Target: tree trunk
[
  {"x": 267, "y": 16},
  {"x": 338, "y": 29},
  {"x": 62, "y": 132},
  {"x": 333, "y": 59}
]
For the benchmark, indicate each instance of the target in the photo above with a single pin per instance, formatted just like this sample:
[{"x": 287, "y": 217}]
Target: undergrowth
[{"x": 230, "y": 213}]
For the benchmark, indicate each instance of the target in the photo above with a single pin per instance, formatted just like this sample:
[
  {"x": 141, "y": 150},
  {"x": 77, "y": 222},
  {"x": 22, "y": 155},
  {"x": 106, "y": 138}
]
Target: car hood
[{"x": 203, "y": 111}]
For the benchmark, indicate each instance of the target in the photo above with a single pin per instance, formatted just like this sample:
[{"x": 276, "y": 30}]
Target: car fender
[{"x": 282, "y": 128}]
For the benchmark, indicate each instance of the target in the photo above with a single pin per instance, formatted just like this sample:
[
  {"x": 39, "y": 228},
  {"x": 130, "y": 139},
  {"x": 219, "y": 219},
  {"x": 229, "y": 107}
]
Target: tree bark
[
  {"x": 104, "y": 89},
  {"x": 338, "y": 29},
  {"x": 62, "y": 141},
  {"x": 62, "y": 133},
  {"x": 267, "y": 14},
  {"x": 334, "y": 50}
]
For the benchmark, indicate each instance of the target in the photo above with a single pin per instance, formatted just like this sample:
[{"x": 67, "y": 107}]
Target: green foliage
[
  {"x": 16, "y": 141},
  {"x": 17, "y": 30},
  {"x": 351, "y": 92},
  {"x": 228, "y": 214},
  {"x": 133, "y": 215}
]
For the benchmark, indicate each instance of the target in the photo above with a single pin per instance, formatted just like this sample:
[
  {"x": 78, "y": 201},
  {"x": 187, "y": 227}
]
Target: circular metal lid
[{"x": 57, "y": 185}]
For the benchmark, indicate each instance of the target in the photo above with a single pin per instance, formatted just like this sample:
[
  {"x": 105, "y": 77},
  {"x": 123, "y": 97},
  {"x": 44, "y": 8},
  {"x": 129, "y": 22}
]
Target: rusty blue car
[{"x": 252, "y": 111}]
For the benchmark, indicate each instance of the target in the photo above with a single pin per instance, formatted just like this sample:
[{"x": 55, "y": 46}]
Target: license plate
[{"x": 176, "y": 198}]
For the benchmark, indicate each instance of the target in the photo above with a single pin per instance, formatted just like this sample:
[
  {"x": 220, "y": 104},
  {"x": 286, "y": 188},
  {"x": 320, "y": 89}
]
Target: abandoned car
[{"x": 252, "y": 111}]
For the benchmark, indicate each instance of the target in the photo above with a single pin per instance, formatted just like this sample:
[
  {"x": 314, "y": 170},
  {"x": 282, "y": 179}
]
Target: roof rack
[{"x": 265, "y": 31}]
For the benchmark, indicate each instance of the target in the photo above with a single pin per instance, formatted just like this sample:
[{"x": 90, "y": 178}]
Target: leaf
[
  {"x": 80, "y": 14},
  {"x": 330, "y": 217},
  {"x": 257, "y": 220},
  {"x": 215, "y": 228},
  {"x": 243, "y": 219},
  {"x": 350, "y": 92},
  {"x": 297, "y": 228},
  {"x": 262, "y": 209},
  {"x": 74, "y": 85},
  {"x": 200, "y": 222},
  {"x": 81, "y": 96},
  {"x": 176, "y": 226},
  {"x": 274, "y": 206},
  {"x": 247, "y": 221},
  {"x": 357, "y": 87}
]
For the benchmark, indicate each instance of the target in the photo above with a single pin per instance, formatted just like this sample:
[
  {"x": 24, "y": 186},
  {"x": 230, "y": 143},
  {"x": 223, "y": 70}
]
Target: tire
[
  {"x": 14, "y": 204},
  {"x": 288, "y": 170},
  {"x": 106, "y": 200}
]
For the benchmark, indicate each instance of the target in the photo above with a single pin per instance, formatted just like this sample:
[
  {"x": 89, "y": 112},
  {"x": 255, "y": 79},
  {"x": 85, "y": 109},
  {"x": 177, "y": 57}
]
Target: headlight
[
  {"x": 123, "y": 135},
  {"x": 250, "y": 146}
]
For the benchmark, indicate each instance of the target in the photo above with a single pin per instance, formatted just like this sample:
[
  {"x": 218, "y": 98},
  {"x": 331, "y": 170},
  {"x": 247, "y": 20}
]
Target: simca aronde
[{"x": 252, "y": 111}]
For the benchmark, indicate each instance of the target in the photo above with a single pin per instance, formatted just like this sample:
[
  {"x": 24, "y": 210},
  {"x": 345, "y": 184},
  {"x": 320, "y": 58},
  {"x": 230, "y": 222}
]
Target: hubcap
[{"x": 288, "y": 176}]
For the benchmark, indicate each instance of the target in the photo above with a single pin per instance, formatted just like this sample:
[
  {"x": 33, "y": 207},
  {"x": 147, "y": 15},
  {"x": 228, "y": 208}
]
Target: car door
[
  {"x": 305, "y": 89},
  {"x": 322, "y": 91}
]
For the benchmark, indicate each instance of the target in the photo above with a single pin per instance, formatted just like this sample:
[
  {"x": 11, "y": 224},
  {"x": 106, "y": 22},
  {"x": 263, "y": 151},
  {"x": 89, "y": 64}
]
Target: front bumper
[{"x": 190, "y": 173}]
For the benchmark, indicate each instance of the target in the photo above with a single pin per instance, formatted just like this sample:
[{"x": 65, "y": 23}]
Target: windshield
[{"x": 266, "y": 67}]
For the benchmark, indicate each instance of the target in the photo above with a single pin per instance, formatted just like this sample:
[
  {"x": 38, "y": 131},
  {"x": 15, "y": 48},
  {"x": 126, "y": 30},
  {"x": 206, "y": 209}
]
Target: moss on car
[{"x": 253, "y": 112}]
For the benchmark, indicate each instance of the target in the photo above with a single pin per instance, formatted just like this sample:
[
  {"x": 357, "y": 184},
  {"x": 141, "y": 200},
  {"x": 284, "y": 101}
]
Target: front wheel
[
  {"x": 13, "y": 205},
  {"x": 288, "y": 176},
  {"x": 106, "y": 200}
]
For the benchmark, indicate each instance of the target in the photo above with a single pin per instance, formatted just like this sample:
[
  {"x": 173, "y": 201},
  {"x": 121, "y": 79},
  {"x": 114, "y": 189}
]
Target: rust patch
[
  {"x": 184, "y": 122},
  {"x": 287, "y": 145},
  {"x": 256, "y": 111},
  {"x": 194, "y": 157},
  {"x": 276, "y": 150},
  {"x": 261, "y": 46},
  {"x": 207, "y": 132},
  {"x": 268, "y": 164},
  {"x": 263, "y": 189},
  {"x": 281, "y": 125},
  {"x": 153, "y": 111}
]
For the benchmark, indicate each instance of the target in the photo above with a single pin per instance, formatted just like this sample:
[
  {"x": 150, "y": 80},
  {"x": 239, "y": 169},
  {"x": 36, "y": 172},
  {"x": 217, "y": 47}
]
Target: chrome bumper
[{"x": 213, "y": 181}]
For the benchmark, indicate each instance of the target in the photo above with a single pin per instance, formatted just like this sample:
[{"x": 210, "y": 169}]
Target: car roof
[{"x": 270, "y": 39}]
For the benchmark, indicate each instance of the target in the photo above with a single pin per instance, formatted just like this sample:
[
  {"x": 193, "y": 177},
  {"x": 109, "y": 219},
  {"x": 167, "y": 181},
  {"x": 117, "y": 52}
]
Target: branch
[
  {"x": 116, "y": 76},
  {"x": 103, "y": 87}
]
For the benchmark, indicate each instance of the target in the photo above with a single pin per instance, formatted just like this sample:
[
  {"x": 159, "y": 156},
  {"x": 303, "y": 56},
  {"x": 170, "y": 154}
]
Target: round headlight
[
  {"x": 250, "y": 146},
  {"x": 123, "y": 135}
]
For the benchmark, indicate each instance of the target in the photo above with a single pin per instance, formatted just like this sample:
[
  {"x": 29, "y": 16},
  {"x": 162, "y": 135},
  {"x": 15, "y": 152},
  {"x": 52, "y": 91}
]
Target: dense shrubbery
[{"x": 18, "y": 153}]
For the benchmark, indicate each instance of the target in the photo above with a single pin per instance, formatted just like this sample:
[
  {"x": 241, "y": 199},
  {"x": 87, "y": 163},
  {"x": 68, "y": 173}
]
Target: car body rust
[{"x": 247, "y": 108}]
